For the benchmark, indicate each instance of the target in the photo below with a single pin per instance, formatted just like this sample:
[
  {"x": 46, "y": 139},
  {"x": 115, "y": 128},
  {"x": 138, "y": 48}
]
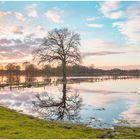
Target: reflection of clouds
[
  {"x": 17, "y": 98},
  {"x": 132, "y": 114},
  {"x": 106, "y": 93},
  {"x": 101, "y": 98},
  {"x": 98, "y": 98},
  {"x": 114, "y": 96},
  {"x": 21, "y": 100}
]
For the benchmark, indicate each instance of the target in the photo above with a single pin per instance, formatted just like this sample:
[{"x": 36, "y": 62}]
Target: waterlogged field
[{"x": 105, "y": 101}]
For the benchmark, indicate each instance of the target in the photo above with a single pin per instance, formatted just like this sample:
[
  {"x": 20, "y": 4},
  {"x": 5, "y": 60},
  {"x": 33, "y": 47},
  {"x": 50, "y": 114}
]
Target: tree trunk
[
  {"x": 64, "y": 87},
  {"x": 64, "y": 79},
  {"x": 64, "y": 72}
]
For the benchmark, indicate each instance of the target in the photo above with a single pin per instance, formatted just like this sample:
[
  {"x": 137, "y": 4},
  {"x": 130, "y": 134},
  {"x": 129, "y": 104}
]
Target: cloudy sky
[{"x": 110, "y": 31}]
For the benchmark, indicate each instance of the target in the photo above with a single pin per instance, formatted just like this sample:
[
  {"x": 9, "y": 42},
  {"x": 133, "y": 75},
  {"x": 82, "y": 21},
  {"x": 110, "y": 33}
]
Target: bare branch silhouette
[
  {"x": 58, "y": 109},
  {"x": 60, "y": 46}
]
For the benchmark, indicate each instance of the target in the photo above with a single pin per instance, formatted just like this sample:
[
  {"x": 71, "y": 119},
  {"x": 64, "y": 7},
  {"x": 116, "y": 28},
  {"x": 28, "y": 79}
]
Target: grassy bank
[{"x": 16, "y": 125}]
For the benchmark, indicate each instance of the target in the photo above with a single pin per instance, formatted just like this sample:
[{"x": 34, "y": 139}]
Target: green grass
[{"x": 16, "y": 125}]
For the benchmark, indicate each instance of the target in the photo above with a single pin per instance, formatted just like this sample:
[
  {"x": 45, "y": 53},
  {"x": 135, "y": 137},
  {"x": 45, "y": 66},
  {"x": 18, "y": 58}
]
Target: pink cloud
[
  {"x": 54, "y": 15},
  {"x": 32, "y": 12},
  {"x": 20, "y": 16},
  {"x": 110, "y": 9},
  {"x": 3, "y": 14},
  {"x": 17, "y": 30}
]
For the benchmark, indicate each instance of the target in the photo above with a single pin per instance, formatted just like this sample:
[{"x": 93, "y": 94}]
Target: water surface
[{"x": 105, "y": 102}]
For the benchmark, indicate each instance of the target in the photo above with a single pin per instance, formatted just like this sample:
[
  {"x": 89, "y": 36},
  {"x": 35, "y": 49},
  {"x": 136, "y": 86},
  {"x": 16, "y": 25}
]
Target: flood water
[{"x": 105, "y": 102}]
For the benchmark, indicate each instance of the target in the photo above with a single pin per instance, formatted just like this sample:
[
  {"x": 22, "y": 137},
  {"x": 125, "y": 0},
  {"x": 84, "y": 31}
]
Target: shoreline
[{"x": 17, "y": 125}]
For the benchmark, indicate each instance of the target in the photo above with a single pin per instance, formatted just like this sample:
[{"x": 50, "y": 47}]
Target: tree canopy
[{"x": 60, "y": 46}]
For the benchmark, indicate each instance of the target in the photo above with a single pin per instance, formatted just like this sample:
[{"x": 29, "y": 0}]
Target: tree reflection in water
[{"x": 66, "y": 107}]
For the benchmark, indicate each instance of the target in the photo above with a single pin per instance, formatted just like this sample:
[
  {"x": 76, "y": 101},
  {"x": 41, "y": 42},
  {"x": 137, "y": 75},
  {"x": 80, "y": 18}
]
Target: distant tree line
[{"x": 77, "y": 70}]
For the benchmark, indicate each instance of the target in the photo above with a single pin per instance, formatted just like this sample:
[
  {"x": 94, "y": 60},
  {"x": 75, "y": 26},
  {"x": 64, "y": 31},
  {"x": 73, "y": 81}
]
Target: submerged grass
[{"x": 16, "y": 125}]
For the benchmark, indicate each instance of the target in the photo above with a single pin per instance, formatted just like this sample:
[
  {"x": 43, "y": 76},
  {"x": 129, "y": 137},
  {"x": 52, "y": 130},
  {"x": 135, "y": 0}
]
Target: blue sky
[{"x": 110, "y": 31}]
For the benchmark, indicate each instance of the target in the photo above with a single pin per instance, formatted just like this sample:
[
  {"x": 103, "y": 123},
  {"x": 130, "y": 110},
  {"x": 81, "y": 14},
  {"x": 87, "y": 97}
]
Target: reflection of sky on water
[
  {"x": 119, "y": 98},
  {"x": 132, "y": 114},
  {"x": 108, "y": 115}
]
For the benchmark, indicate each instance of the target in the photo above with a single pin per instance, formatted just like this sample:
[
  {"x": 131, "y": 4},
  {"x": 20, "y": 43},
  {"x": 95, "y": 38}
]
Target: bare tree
[
  {"x": 12, "y": 68},
  {"x": 60, "y": 46}
]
